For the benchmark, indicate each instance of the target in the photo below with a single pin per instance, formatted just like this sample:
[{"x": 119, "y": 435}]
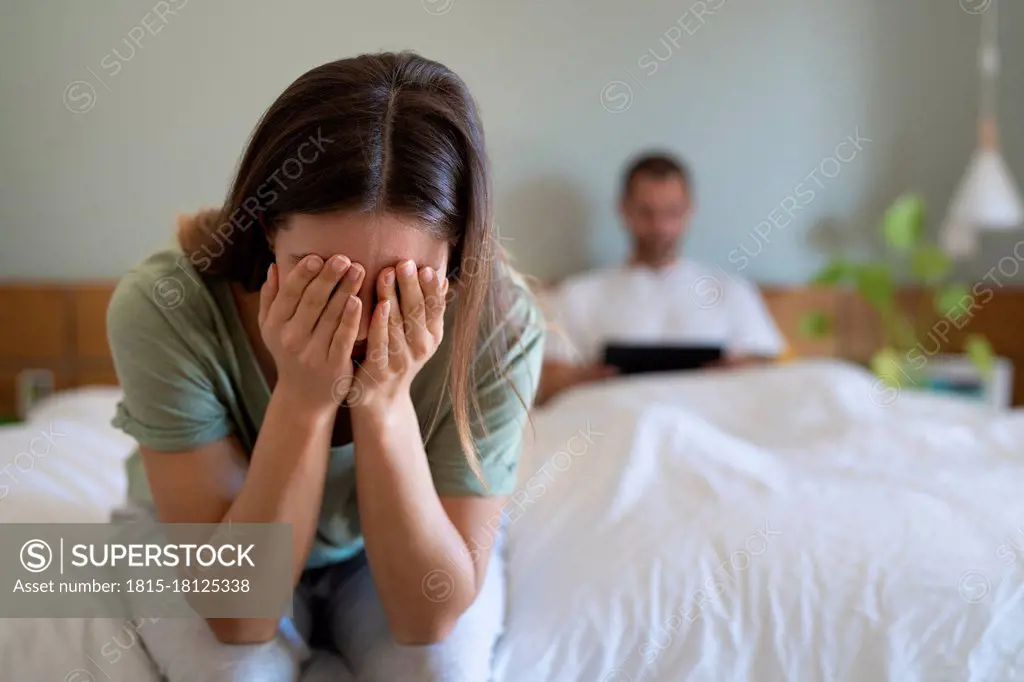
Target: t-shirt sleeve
[
  {"x": 754, "y": 330},
  {"x": 502, "y": 413},
  {"x": 169, "y": 401}
]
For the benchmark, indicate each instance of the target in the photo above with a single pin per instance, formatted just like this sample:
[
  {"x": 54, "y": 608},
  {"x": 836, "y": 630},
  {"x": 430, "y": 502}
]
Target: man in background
[{"x": 657, "y": 296}]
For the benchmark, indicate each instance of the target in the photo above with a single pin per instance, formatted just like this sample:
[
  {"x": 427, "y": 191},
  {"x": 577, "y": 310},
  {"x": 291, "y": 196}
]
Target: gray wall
[{"x": 756, "y": 95}]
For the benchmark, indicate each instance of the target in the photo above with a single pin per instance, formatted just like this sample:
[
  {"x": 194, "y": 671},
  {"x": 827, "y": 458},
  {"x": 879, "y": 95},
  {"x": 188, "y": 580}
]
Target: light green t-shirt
[{"x": 190, "y": 377}]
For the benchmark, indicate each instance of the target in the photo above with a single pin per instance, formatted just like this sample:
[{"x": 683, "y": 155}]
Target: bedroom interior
[
  {"x": 802, "y": 520},
  {"x": 70, "y": 341}
]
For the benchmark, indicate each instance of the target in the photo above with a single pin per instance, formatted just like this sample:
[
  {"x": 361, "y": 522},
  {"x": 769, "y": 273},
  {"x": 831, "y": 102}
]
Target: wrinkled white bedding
[
  {"x": 65, "y": 464},
  {"x": 786, "y": 523}
]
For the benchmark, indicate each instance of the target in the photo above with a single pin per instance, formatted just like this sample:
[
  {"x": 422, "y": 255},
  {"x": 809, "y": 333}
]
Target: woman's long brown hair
[{"x": 390, "y": 132}]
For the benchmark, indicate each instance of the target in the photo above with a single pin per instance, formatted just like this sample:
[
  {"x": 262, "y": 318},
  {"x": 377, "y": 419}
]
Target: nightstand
[{"x": 956, "y": 374}]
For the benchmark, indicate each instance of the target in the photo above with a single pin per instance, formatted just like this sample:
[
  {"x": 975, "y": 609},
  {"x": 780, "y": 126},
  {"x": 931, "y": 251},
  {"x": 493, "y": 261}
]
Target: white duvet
[{"x": 786, "y": 523}]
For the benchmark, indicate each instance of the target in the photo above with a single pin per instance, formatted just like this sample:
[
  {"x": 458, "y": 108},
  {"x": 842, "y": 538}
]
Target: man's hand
[
  {"x": 584, "y": 374},
  {"x": 556, "y": 377},
  {"x": 737, "y": 362}
]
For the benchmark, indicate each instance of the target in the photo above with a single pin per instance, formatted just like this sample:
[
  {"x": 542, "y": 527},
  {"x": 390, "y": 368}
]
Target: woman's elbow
[{"x": 243, "y": 630}]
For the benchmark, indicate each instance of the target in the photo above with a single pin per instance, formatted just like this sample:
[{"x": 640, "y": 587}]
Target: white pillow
[
  {"x": 91, "y": 405},
  {"x": 66, "y": 462}
]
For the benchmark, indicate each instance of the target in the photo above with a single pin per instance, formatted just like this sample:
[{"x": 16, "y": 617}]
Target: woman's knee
[
  {"x": 263, "y": 663},
  {"x": 466, "y": 655},
  {"x": 434, "y": 663}
]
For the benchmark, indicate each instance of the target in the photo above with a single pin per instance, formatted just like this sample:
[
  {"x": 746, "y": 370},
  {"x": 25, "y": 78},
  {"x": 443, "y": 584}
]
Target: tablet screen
[{"x": 645, "y": 358}]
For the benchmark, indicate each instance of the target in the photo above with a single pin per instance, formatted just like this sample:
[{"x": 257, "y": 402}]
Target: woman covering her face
[{"x": 341, "y": 348}]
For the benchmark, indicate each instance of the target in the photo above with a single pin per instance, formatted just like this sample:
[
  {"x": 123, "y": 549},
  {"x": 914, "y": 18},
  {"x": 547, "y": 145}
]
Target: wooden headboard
[
  {"x": 59, "y": 327},
  {"x": 857, "y": 333},
  {"x": 62, "y": 327}
]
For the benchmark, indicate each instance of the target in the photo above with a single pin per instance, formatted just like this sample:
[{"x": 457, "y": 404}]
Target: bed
[
  {"x": 74, "y": 474},
  {"x": 794, "y": 522},
  {"x": 789, "y": 523}
]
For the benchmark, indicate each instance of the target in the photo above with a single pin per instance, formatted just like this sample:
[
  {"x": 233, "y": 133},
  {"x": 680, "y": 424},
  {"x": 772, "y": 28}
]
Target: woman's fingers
[
  {"x": 323, "y": 333},
  {"x": 287, "y": 300},
  {"x": 410, "y": 293},
  {"x": 353, "y": 280},
  {"x": 268, "y": 292},
  {"x": 344, "y": 337},
  {"x": 414, "y": 318},
  {"x": 377, "y": 343},
  {"x": 387, "y": 290},
  {"x": 434, "y": 290},
  {"x": 317, "y": 294}
]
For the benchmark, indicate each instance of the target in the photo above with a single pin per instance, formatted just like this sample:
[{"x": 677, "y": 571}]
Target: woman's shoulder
[
  {"x": 524, "y": 306},
  {"x": 520, "y": 311},
  {"x": 519, "y": 321},
  {"x": 162, "y": 293},
  {"x": 162, "y": 329}
]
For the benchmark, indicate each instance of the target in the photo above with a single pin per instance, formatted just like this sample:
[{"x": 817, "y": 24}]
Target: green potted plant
[{"x": 908, "y": 254}]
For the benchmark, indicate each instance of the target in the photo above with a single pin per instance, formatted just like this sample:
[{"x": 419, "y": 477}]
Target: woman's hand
[
  {"x": 406, "y": 329},
  {"x": 310, "y": 331}
]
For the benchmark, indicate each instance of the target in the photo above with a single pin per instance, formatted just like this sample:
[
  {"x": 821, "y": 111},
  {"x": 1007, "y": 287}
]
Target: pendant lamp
[{"x": 987, "y": 197}]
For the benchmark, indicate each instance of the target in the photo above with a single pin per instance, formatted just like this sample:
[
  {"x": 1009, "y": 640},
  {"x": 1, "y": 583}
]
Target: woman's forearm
[
  {"x": 407, "y": 532},
  {"x": 286, "y": 474},
  {"x": 284, "y": 484}
]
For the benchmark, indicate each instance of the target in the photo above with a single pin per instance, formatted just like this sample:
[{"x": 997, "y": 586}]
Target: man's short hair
[{"x": 658, "y": 165}]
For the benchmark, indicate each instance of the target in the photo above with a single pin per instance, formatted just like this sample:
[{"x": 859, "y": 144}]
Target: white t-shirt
[{"x": 684, "y": 303}]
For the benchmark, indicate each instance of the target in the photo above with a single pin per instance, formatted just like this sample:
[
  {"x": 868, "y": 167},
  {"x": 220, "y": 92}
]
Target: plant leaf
[
  {"x": 874, "y": 282},
  {"x": 930, "y": 264},
  {"x": 886, "y": 364},
  {"x": 979, "y": 350},
  {"x": 833, "y": 273},
  {"x": 953, "y": 300},
  {"x": 903, "y": 223},
  {"x": 904, "y": 333},
  {"x": 815, "y": 325}
]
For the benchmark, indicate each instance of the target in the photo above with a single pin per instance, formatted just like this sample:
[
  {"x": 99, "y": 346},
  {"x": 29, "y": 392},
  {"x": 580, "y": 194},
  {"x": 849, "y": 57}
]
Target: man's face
[{"x": 656, "y": 212}]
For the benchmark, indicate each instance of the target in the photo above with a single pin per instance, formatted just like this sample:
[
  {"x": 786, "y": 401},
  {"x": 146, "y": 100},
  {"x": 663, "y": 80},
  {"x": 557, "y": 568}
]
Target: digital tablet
[{"x": 644, "y": 358}]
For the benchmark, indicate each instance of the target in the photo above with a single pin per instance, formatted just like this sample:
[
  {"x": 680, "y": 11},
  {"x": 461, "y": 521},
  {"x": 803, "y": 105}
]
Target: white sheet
[
  {"x": 837, "y": 535},
  {"x": 65, "y": 464},
  {"x": 789, "y": 523}
]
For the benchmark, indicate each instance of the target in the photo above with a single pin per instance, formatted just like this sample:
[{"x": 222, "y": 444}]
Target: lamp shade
[
  {"x": 986, "y": 199},
  {"x": 987, "y": 196}
]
